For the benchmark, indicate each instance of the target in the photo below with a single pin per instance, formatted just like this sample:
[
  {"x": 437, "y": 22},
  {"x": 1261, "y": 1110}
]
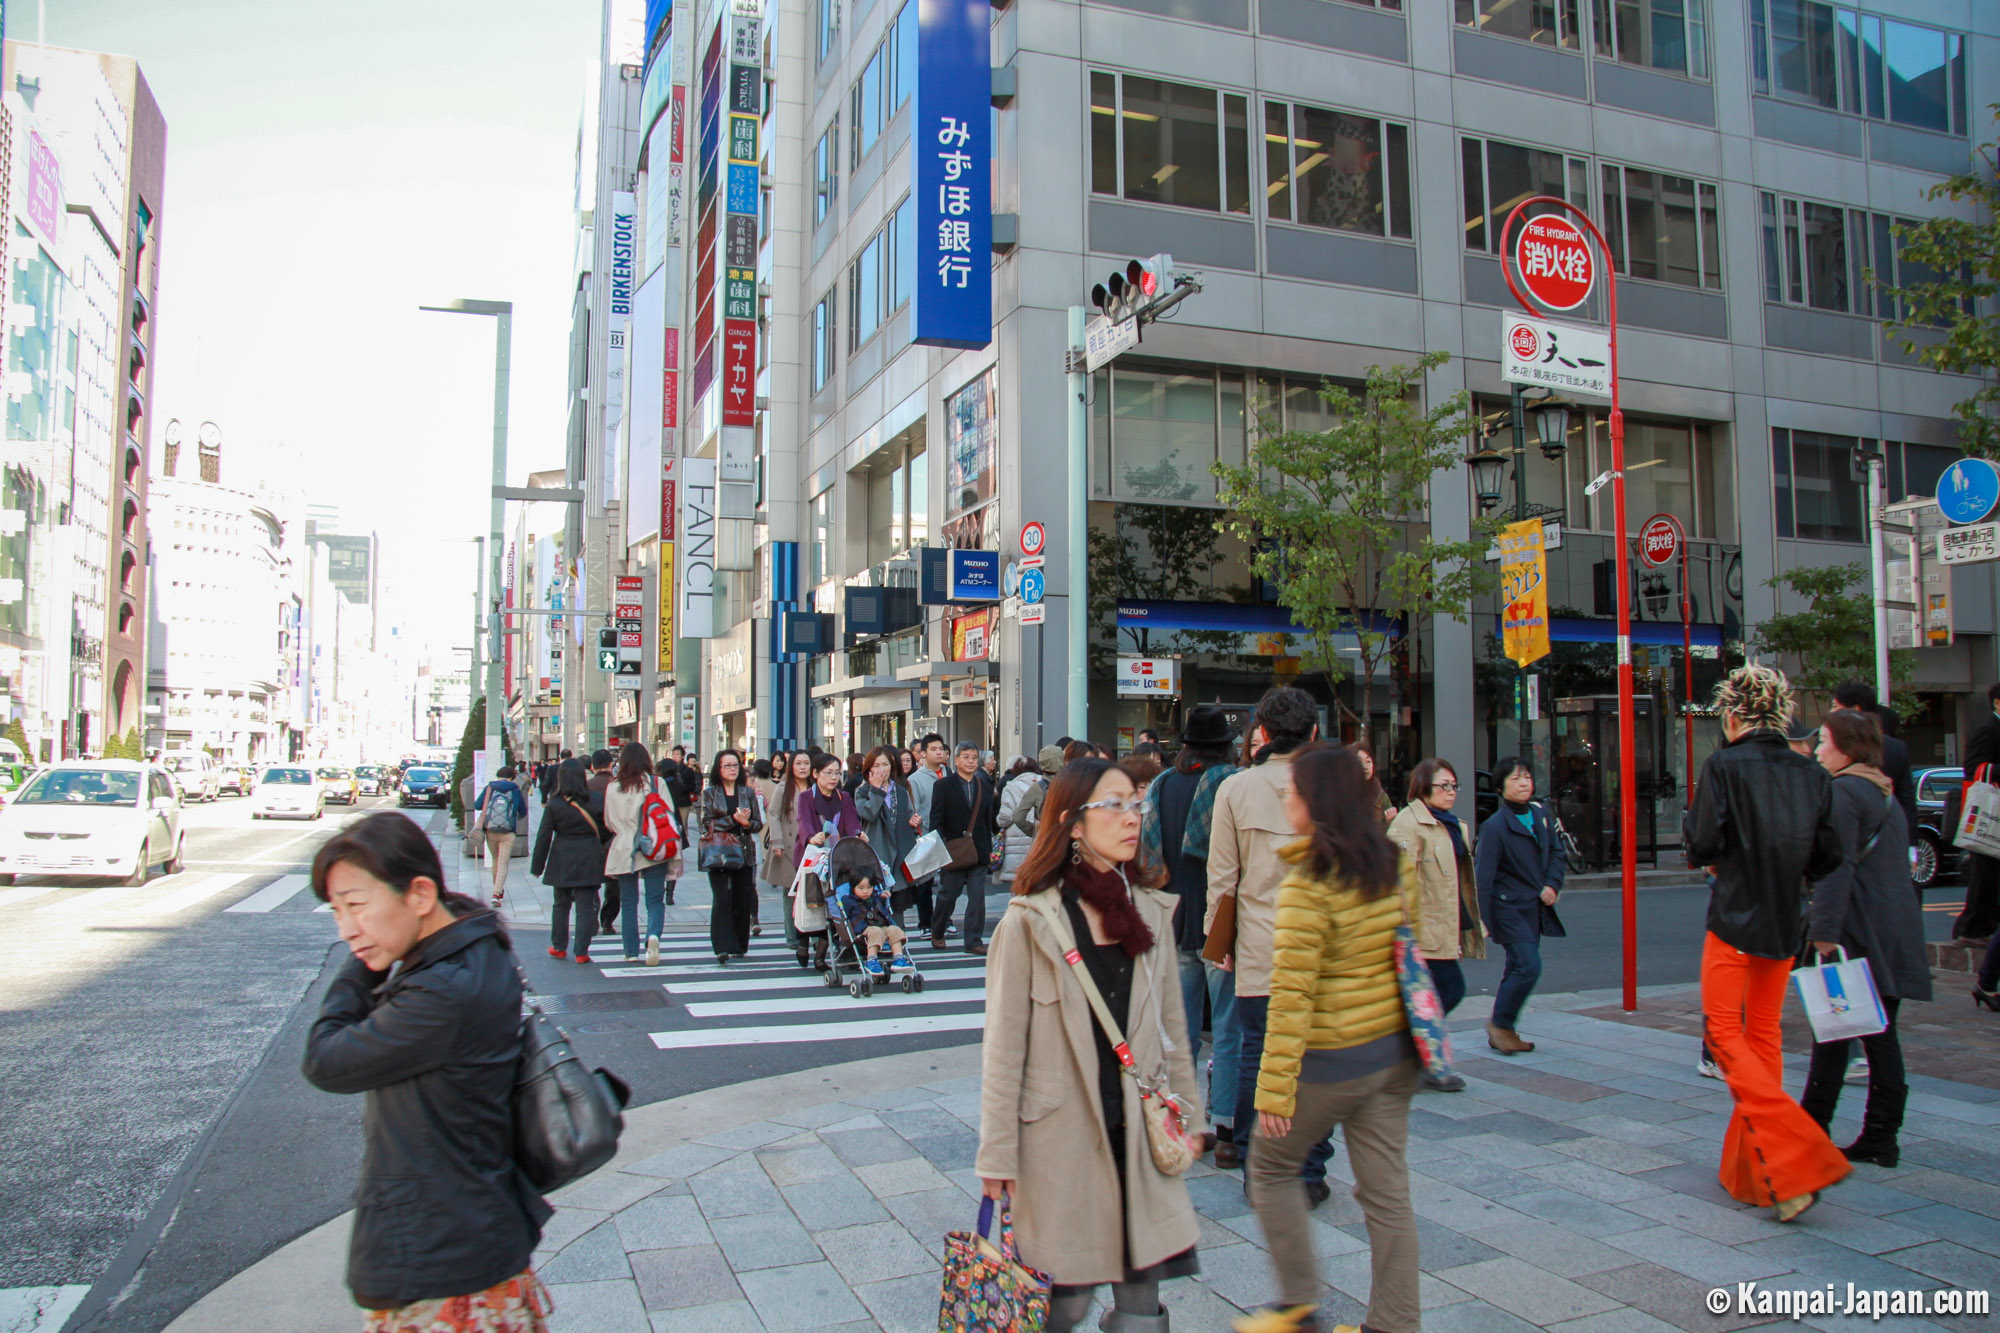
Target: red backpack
[{"x": 657, "y": 838}]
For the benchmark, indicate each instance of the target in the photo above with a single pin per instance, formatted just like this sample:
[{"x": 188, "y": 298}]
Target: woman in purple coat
[{"x": 826, "y": 814}]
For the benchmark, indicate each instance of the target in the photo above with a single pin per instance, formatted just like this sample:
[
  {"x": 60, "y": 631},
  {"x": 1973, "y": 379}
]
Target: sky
[{"x": 329, "y": 168}]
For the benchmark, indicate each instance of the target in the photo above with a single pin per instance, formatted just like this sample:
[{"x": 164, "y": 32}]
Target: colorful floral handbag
[
  {"x": 1421, "y": 1003},
  {"x": 988, "y": 1289}
]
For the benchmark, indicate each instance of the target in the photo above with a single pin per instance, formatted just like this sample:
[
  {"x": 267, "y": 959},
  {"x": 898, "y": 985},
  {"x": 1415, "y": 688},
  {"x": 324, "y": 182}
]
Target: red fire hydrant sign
[{"x": 1554, "y": 261}]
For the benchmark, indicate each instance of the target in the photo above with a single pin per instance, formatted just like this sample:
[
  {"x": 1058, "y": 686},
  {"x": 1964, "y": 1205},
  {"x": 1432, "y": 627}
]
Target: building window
[
  {"x": 1818, "y": 496},
  {"x": 1663, "y": 227},
  {"x": 1155, "y": 432},
  {"x": 1657, "y": 34},
  {"x": 1500, "y": 175},
  {"x": 826, "y": 172},
  {"x": 824, "y": 336},
  {"x": 865, "y": 107},
  {"x": 1331, "y": 169},
  {"x": 1865, "y": 64},
  {"x": 901, "y": 84},
  {"x": 1169, "y": 143},
  {"x": 878, "y": 282},
  {"x": 1806, "y": 253},
  {"x": 829, "y": 27},
  {"x": 820, "y": 549},
  {"x": 886, "y": 83},
  {"x": 1550, "y": 22},
  {"x": 896, "y": 502}
]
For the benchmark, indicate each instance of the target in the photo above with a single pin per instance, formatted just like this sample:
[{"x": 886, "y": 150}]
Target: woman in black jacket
[
  {"x": 729, "y": 816},
  {"x": 425, "y": 1019},
  {"x": 1519, "y": 870},
  {"x": 1866, "y": 907},
  {"x": 569, "y": 857}
]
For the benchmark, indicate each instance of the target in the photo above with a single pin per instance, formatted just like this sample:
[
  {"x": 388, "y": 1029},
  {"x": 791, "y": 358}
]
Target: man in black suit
[
  {"x": 1977, "y": 922},
  {"x": 963, "y": 805}
]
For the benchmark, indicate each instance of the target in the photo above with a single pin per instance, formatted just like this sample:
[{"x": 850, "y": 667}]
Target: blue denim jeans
[
  {"x": 1522, "y": 940},
  {"x": 1251, "y": 1013},
  {"x": 1201, "y": 979},
  {"x": 655, "y": 880}
]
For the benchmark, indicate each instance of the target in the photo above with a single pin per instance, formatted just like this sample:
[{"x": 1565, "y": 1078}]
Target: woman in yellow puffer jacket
[{"x": 1337, "y": 1047}]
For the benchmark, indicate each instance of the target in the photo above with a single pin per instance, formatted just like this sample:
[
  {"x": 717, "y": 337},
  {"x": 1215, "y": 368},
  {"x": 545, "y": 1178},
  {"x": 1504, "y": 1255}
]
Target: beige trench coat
[
  {"x": 1041, "y": 1121},
  {"x": 1442, "y": 884}
]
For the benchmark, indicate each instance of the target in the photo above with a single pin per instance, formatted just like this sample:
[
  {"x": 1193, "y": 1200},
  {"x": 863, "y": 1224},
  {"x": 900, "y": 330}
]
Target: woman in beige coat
[
  {"x": 624, "y": 800},
  {"x": 1060, "y": 1129},
  {"x": 781, "y": 830},
  {"x": 1440, "y": 845}
]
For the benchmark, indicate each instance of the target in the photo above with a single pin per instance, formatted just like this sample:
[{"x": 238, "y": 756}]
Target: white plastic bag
[
  {"x": 1840, "y": 999},
  {"x": 807, "y": 916},
  {"x": 926, "y": 858},
  {"x": 1979, "y": 822}
]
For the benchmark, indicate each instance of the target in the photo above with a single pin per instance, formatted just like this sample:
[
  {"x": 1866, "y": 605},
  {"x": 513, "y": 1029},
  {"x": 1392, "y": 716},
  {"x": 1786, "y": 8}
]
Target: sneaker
[
  {"x": 1707, "y": 1068},
  {"x": 558, "y": 953},
  {"x": 874, "y": 968},
  {"x": 1857, "y": 1069},
  {"x": 583, "y": 958},
  {"x": 1444, "y": 1083},
  {"x": 901, "y": 963},
  {"x": 652, "y": 951},
  {"x": 631, "y": 960}
]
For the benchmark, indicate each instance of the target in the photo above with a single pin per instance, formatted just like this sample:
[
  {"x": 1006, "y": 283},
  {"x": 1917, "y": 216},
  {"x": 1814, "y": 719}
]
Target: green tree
[
  {"x": 19, "y": 735},
  {"x": 1833, "y": 639},
  {"x": 1335, "y": 519},
  {"x": 1946, "y": 314},
  {"x": 470, "y": 742}
]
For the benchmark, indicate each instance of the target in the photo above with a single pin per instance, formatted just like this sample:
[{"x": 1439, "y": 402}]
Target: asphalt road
[{"x": 161, "y": 1139}]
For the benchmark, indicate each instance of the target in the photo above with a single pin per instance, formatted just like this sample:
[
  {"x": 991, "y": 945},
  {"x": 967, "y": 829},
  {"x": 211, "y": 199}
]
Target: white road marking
[
  {"x": 787, "y": 983},
  {"x": 821, "y": 1004},
  {"x": 206, "y": 887},
  {"x": 8, "y": 897},
  {"x": 98, "y": 899},
  {"x": 911, "y": 1025},
  {"x": 268, "y": 897}
]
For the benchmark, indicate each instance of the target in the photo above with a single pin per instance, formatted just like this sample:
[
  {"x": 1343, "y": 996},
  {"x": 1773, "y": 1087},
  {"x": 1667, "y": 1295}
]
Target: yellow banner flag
[{"x": 1524, "y": 592}]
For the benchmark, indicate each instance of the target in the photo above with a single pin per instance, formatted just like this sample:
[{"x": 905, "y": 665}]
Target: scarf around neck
[
  {"x": 1454, "y": 828},
  {"x": 1107, "y": 891}
]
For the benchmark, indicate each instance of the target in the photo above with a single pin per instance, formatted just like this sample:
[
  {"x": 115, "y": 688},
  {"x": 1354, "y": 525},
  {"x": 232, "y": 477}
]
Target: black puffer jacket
[
  {"x": 1763, "y": 821},
  {"x": 569, "y": 849},
  {"x": 441, "y": 1209}
]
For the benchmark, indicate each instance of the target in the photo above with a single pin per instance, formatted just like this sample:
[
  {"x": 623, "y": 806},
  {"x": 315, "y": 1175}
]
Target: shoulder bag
[
  {"x": 721, "y": 849},
  {"x": 962, "y": 850},
  {"x": 567, "y": 1119},
  {"x": 1175, "y": 1147},
  {"x": 1420, "y": 1000}
]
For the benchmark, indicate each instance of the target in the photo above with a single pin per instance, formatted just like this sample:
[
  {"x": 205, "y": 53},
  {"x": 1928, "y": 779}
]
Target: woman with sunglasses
[
  {"x": 1440, "y": 849},
  {"x": 1061, "y": 1133}
]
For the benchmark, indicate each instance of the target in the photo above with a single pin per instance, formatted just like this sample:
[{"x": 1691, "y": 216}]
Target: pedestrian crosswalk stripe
[
  {"x": 272, "y": 894},
  {"x": 801, "y": 982},
  {"x": 204, "y": 888},
  {"x": 98, "y": 899},
  {"x": 907, "y": 1026},
  {"x": 8, "y": 897},
  {"x": 833, "y": 1001}
]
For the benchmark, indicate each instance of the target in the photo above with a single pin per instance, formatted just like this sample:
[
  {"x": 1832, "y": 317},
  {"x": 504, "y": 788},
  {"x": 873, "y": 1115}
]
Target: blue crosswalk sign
[{"x": 1032, "y": 583}]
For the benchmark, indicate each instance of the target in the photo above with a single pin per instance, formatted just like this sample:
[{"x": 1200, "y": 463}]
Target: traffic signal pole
[{"x": 1077, "y": 721}]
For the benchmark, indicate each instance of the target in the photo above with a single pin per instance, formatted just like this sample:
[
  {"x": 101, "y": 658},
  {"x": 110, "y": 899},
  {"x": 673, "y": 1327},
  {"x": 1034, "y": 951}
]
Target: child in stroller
[{"x": 859, "y": 908}]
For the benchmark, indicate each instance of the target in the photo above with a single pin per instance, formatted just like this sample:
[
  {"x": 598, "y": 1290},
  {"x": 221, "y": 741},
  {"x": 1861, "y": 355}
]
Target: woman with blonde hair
[{"x": 1762, "y": 822}]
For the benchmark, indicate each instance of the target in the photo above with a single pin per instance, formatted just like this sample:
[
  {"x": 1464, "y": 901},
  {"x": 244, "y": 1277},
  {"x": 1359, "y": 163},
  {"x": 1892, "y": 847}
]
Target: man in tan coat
[{"x": 1250, "y": 831}]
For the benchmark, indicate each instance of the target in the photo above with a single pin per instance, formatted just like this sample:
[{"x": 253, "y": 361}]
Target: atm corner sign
[{"x": 1158, "y": 676}]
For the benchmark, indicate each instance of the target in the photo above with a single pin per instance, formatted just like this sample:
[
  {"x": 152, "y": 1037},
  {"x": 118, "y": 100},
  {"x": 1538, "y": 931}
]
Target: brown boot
[{"x": 1506, "y": 1042}]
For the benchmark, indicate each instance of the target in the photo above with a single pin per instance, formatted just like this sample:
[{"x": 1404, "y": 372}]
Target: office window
[
  {"x": 1499, "y": 176},
  {"x": 824, "y": 341},
  {"x": 1806, "y": 255},
  {"x": 1169, "y": 143},
  {"x": 896, "y": 501},
  {"x": 1672, "y": 466},
  {"x": 1847, "y": 60},
  {"x": 879, "y": 278},
  {"x": 820, "y": 564},
  {"x": 826, "y": 172},
  {"x": 902, "y": 44},
  {"x": 1658, "y": 34},
  {"x": 1663, "y": 227},
  {"x": 1331, "y": 169},
  {"x": 1817, "y": 495},
  {"x": 865, "y": 108},
  {"x": 829, "y": 27},
  {"x": 1550, "y": 22},
  {"x": 1155, "y": 431}
]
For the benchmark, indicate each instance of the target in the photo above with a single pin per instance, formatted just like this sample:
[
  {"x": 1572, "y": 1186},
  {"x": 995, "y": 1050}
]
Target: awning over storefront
[
  {"x": 1647, "y": 633},
  {"x": 1229, "y": 617}
]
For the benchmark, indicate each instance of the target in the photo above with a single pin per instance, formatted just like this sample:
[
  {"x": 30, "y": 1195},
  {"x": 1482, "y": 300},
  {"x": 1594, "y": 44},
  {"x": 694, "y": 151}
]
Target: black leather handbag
[{"x": 567, "y": 1119}]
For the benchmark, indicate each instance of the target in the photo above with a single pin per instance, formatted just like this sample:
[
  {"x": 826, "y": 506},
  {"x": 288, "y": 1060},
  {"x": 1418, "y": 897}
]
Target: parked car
[
  {"x": 14, "y": 775},
  {"x": 341, "y": 785},
  {"x": 370, "y": 779},
  {"x": 287, "y": 792},
  {"x": 1937, "y": 817},
  {"x": 196, "y": 771},
  {"x": 115, "y": 818},
  {"x": 425, "y": 786},
  {"x": 235, "y": 779}
]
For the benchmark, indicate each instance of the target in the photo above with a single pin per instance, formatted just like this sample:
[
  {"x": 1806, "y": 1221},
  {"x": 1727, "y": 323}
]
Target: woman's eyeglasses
[
  {"x": 1444, "y": 786},
  {"x": 1137, "y": 805}
]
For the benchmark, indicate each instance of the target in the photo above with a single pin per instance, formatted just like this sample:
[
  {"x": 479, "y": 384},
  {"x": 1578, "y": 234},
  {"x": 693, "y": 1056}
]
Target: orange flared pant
[{"x": 1773, "y": 1150}]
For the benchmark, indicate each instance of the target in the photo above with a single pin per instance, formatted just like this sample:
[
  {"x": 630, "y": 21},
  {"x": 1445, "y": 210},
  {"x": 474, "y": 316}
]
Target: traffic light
[
  {"x": 1130, "y": 290},
  {"x": 607, "y": 650}
]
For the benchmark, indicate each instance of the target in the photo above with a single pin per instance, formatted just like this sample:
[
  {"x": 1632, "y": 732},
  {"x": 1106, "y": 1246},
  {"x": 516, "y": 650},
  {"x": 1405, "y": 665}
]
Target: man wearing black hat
[{"x": 1176, "y": 831}]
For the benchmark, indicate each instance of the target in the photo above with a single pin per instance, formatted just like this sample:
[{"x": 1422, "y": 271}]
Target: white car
[
  {"x": 111, "y": 817},
  {"x": 287, "y": 791},
  {"x": 197, "y": 772}
]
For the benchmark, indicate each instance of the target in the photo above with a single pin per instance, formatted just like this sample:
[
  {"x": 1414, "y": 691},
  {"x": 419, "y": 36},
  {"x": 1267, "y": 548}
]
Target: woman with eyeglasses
[
  {"x": 1440, "y": 848},
  {"x": 1520, "y": 872},
  {"x": 1061, "y": 1133}
]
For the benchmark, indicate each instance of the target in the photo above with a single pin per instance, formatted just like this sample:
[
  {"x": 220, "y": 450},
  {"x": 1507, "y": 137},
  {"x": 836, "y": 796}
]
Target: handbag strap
[
  {"x": 1007, "y": 1248},
  {"x": 586, "y": 816},
  {"x": 1053, "y": 914}
]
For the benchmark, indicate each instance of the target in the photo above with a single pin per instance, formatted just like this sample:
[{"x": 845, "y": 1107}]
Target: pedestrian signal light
[{"x": 607, "y": 650}]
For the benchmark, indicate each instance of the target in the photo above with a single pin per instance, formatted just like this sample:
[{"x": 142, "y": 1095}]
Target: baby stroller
[{"x": 852, "y": 862}]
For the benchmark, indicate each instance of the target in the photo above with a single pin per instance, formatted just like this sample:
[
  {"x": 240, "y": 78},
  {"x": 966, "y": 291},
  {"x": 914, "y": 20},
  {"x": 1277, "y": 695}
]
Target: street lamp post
[
  {"x": 503, "y": 314},
  {"x": 1488, "y": 467}
]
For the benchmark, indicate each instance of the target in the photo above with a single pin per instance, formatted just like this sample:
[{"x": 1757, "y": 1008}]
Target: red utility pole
[{"x": 1628, "y": 810}]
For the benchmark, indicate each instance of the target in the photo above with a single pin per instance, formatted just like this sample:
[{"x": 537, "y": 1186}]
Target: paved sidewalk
[{"x": 1570, "y": 1189}]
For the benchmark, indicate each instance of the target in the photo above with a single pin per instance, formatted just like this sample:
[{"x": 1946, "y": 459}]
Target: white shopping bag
[
  {"x": 1979, "y": 823},
  {"x": 808, "y": 916},
  {"x": 926, "y": 858},
  {"x": 1840, "y": 999}
]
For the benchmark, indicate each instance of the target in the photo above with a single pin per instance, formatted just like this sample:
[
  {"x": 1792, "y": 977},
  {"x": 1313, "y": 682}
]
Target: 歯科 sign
[
  {"x": 1524, "y": 593},
  {"x": 952, "y": 165},
  {"x": 1553, "y": 257},
  {"x": 1566, "y": 357}
]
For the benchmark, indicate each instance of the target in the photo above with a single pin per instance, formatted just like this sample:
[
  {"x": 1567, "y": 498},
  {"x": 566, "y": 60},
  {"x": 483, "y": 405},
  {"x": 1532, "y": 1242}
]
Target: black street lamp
[{"x": 1489, "y": 465}]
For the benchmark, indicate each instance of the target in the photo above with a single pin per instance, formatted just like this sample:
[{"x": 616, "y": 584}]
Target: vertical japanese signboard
[
  {"x": 696, "y": 594},
  {"x": 741, "y": 196},
  {"x": 663, "y": 660},
  {"x": 952, "y": 152},
  {"x": 1524, "y": 592}
]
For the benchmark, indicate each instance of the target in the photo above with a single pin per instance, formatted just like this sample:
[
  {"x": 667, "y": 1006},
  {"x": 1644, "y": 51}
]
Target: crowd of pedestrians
[{"x": 1251, "y": 888}]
